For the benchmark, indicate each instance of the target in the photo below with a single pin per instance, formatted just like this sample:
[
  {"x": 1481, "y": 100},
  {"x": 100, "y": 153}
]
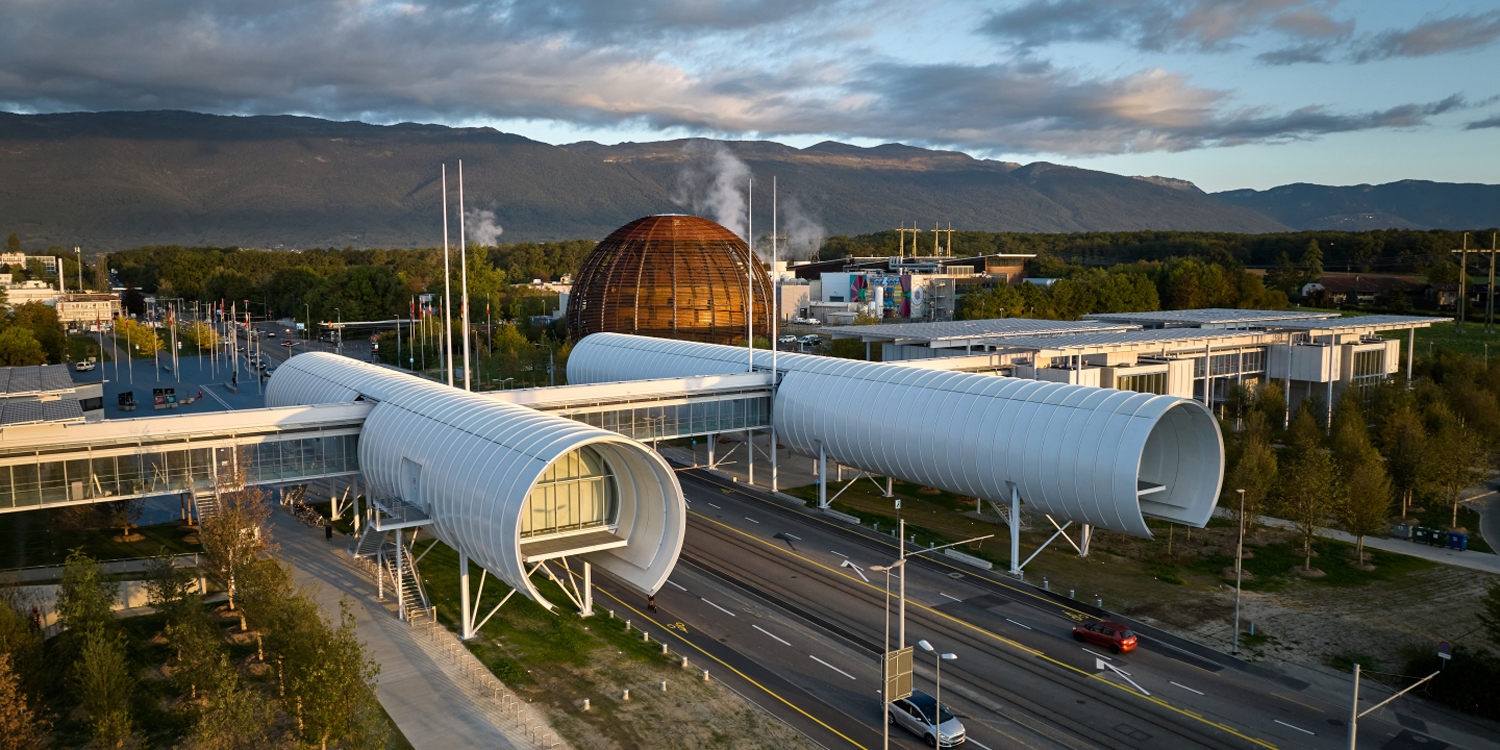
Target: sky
[{"x": 1226, "y": 93}]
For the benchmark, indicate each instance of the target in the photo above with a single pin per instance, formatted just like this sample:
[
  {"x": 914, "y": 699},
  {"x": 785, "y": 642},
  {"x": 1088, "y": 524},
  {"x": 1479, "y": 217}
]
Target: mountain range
[{"x": 113, "y": 180}]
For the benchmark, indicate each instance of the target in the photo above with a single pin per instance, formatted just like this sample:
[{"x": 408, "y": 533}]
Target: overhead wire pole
[
  {"x": 775, "y": 341},
  {"x": 750, "y": 272},
  {"x": 1463, "y": 283},
  {"x": 447, "y": 286},
  {"x": 1489, "y": 299},
  {"x": 463, "y": 255}
]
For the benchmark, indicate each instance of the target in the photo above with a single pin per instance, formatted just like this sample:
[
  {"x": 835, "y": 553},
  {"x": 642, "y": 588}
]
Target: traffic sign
[
  {"x": 898, "y": 673},
  {"x": 1445, "y": 650}
]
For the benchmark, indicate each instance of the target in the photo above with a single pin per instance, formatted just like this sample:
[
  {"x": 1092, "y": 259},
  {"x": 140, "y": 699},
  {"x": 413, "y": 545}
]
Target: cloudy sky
[{"x": 1227, "y": 93}]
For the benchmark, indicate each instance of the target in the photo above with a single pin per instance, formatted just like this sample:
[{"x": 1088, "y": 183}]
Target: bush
[{"x": 1470, "y": 681}]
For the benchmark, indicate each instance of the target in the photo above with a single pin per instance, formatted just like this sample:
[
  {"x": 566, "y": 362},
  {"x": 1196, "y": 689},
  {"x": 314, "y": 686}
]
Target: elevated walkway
[
  {"x": 661, "y": 409},
  {"x": 52, "y": 465}
]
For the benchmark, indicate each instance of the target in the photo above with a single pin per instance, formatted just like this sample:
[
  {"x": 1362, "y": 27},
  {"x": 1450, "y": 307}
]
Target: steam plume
[
  {"x": 481, "y": 227},
  {"x": 804, "y": 233},
  {"x": 713, "y": 184}
]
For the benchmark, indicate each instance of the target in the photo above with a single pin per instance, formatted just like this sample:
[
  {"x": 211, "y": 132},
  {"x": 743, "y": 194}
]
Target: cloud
[
  {"x": 1202, "y": 25},
  {"x": 756, "y": 68},
  {"x": 1434, "y": 37},
  {"x": 1488, "y": 122}
]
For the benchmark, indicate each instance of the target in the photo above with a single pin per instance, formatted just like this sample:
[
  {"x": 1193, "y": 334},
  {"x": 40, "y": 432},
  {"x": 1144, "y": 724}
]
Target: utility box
[
  {"x": 1402, "y": 530},
  {"x": 1458, "y": 540}
]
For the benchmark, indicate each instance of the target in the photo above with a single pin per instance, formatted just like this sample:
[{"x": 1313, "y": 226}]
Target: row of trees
[
  {"x": 1143, "y": 286},
  {"x": 30, "y": 334},
  {"x": 310, "y": 681}
]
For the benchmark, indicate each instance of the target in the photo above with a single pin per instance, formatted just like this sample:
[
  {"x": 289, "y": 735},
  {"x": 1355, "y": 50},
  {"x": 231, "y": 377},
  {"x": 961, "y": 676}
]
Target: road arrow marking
[{"x": 1101, "y": 664}]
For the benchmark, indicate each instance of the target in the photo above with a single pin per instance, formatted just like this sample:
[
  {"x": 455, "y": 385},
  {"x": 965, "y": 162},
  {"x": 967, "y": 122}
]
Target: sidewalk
[
  {"x": 1469, "y": 559},
  {"x": 435, "y": 690}
]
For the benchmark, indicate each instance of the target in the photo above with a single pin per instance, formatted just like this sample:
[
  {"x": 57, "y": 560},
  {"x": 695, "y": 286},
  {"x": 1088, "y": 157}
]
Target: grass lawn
[
  {"x": 37, "y": 538},
  {"x": 81, "y": 347}
]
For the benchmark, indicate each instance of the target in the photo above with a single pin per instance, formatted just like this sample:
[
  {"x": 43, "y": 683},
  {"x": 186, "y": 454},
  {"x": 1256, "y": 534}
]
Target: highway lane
[{"x": 1191, "y": 701}]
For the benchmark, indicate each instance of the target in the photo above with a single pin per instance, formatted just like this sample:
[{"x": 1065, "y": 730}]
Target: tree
[
  {"x": 338, "y": 689},
  {"x": 45, "y": 327},
  {"x": 13, "y": 243},
  {"x": 1255, "y": 472},
  {"x": 19, "y": 348},
  {"x": 169, "y": 587},
  {"x": 21, "y": 728},
  {"x": 1366, "y": 506},
  {"x": 86, "y": 599},
  {"x": 104, "y": 685},
  {"x": 133, "y": 301},
  {"x": 197, "y": 646},
  {"x": 122, "y": 515},
  {"x": 236, "y": 536},
  {"x": 1406, "y": 454},
  {"x": 1455, "y": 460},
  {"x": 1284, "y": 276},
  {"x": 21, "y": 640},
  {"x": 235, "y": 717},
  {"x": 1489, "y": 613},
  {"x": 1309, "y": 488},
  {"x": 1312, "y": 262}
]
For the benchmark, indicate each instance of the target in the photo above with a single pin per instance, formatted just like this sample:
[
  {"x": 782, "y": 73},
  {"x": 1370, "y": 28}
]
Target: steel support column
[
  {"x": 1015, "y": 528},
  {"x": 1084, "y": 538},
  {"x": 400, "y": 599},
  {"x": 774, "y": 478},
  {"x": 466, "y": 620},
  {"x": 822, "y": 477}
]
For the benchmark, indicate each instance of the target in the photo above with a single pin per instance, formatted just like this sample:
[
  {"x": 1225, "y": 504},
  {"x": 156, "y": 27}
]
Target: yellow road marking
[
  {"x": 744, "y": 676},
  {"x": 1300, "y": 703},
  {"x": 995, "y": 636}
]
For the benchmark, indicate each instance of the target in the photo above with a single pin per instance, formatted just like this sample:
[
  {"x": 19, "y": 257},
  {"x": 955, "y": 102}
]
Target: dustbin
[
  {"x": 1402, "y": 530},
  {"x": 1421, "y": 535},
  {"x": 1458, "y": 540}
]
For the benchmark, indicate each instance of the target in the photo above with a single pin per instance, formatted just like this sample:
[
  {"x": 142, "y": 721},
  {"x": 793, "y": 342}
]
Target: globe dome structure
[{"x": 671, "y": 276}]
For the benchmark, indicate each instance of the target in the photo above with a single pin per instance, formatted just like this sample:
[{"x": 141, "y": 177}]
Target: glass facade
[
  {"x": 1155, "y": 382},
  {"x": 681, "y": 420},
  {"x": 1369, "y": 368},
  {"x": 578, "y": 491},
  {"x": 179, "y": 467}
]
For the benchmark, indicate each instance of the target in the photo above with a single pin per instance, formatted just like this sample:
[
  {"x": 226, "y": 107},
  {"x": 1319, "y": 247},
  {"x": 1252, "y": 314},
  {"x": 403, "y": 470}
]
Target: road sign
[
  {"x": 898, "y": 673},
  {"x": 1445, "y": 650}
]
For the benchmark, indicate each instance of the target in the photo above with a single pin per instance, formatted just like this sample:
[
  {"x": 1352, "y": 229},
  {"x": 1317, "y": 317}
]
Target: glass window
[{"x": 577, "y": 491}]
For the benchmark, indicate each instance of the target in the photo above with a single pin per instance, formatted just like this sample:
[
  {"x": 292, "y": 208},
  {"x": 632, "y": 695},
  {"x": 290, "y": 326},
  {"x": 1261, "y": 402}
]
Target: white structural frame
[
  {"x": 1095, "y": 456},
  {"x": 469, "y": 463}
]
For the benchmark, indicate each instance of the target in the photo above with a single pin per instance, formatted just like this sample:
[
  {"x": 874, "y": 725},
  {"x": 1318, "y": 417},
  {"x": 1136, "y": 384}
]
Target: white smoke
[
  {"x": 713, "y": 184},
  {"x": 481, "y": 228},
  {"x": 804, "y": 233}
]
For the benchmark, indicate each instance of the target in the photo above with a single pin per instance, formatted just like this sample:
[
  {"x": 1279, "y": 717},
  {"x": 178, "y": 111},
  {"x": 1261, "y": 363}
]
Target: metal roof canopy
[
  {"x": 1209, "y": 316},
  {"x": 1358, "y": 322},
  {"x": 1138, "y": 337},
  {"x": 634, "y": 391},
  {"x": 962, "y": 332}
]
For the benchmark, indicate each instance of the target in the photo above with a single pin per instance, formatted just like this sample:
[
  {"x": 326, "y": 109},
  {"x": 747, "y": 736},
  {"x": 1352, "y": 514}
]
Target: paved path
[
  {"x": 434, "y": 689},
  {"x": 1470, "y": 559}
]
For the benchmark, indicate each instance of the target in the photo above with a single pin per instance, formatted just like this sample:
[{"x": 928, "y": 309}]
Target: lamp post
[
  {"x": 901, "y": 545},
  {"x": 937, "y": 710},
  {"x": 307, "y": 315},
  {"x": 885, "y": 678},
  {"x": 339, "y": 341},
  {"x": 1239, "y": 557},
  {"x": 551, "y": 373}
]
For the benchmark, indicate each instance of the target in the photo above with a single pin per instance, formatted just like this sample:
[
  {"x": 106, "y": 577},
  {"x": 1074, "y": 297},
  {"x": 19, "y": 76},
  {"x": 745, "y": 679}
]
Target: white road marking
[
  {"x": 1190, "y": 690},
  {"x": 773, "y": 635},
  {"x": 711, "y": 505},
  {"x": 1013, "y": 622},
  {"x": 975, "y": 743},
  {"x": 1101, "y": 656},
  {"x": 210, "y": 392},
  {"x": 792, "y": 536},
  {"x": 830, "y": 666},
  {"x": 721, "y": 609},
  {"x": 1294, "y": 726},
  {"x": 1101, "y": 665},
  {"x": 751, "y": 520},
  {"x": 840, "y": 554},
  {"x": 678, "y": 585},
  {"x": 954, "y": 598}
]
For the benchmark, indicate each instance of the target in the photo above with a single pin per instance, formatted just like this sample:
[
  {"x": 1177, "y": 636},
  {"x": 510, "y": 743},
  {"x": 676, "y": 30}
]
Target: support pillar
[
  {"x": 838, "y": 472},
  {"x": 1286, "y": 421},
  {"x": 1083, "y": 540},
  {"x": 750, "y": 446},
  {"x": 774, "y": 487},
  {"x": 888, "y": 488},
  {"x": 1330, "y": 404},
  {"x": 466, "y": 618},
  {"x": 822, "y": 477},
  {"x": 867, "y": 351},
  {"x": 1411, "y": 349},
  {"x": 355, "y": 506},
  {"x": 1015, "y": 528},
  {"x": 588, "y": 589},
  {"x": 711, "y": 450},
  {"x": 400, "y": 600}
]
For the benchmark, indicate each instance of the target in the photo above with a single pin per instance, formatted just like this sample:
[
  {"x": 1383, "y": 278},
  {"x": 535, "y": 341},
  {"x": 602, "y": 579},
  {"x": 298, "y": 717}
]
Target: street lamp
[
  {"x": 885, "y": 684},
  {"x": 339, "y": 341},
  {"x": 551, "y": 373},
  {"x": 1239, "y": 557},
  {"x": 937, "y": 710}
]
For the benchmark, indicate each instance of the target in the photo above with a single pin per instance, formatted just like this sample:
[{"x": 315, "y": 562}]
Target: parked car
[
  {"x": 288, "y": 343},
  {"x": 1107, "y": 633},
  {"x": 916, "y": 715},
  {"x": 799, "y": 321},
  {"x": 787, "y": 338},
  {"x": 271, "y": 335},
  {"x": 811, "y": 339},
  {"x": 813, "y": 322},
  {"x": 83, "y": 366}
]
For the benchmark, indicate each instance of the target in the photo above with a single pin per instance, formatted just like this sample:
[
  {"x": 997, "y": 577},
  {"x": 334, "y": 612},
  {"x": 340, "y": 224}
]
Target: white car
[
  {"x": 813, "y": 322},
  {"x": 915, "y": 714},
  {"x": 787, "y": 338},
  {"x": 83, "y": 367}
]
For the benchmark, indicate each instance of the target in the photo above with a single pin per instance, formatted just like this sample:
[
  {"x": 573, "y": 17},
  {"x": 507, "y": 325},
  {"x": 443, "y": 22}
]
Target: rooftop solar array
[
  {"x": 1123, "y": 338},
  {"x": 18, "y": 381},
  {"x": 991, "y": 328},
  {"x": 1360, "y": 321},
  {"x": 17, "y": 412},
  {"x": 1209, "y": 316}
]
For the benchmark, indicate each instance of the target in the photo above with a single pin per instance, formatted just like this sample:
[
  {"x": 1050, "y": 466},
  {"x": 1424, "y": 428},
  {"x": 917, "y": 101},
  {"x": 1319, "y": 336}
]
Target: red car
[{"x": 1111, "y": 635}]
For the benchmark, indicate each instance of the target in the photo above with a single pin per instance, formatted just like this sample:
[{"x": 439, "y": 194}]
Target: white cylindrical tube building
[
  {"x": 1091, "y": 455},
  {"x": 504, "y": 484}
]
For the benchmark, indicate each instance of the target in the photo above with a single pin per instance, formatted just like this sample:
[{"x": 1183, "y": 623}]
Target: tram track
[{"x": 713, "y": 547}]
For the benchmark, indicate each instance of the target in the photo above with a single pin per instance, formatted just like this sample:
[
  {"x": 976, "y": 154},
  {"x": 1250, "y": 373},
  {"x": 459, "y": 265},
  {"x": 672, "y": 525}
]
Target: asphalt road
[{"x": 760, "y": 593}]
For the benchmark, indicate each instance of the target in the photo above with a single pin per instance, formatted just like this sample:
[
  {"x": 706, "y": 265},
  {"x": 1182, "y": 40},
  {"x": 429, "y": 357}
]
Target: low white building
[{"x": 85, "y": 310}]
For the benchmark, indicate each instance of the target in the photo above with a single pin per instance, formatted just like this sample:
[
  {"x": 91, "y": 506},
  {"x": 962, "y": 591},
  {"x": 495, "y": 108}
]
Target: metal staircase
[
  {"x": 207, "y": 505},
  {"x": 368, "y": 544},
  {"x": 377, "y": 550}
]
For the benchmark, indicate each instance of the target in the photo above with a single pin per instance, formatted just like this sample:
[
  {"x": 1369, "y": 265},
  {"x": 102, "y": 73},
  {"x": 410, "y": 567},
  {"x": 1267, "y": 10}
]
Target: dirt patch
[{"x": 1309, "y": 572}]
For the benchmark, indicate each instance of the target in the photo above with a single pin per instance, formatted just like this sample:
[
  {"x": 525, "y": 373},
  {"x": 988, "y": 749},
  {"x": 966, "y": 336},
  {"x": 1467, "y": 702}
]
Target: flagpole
[
  {"x": 447, "y": 288},
  {"x": 463, "y": 256}
]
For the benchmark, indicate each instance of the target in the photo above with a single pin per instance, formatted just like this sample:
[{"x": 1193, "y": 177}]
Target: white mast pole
[
  {"x": 463, "y": 255},
  {"x": 750, "y": 273},
  {"x": 447, "y": 286},
  {"x": 775, "y": 283}
]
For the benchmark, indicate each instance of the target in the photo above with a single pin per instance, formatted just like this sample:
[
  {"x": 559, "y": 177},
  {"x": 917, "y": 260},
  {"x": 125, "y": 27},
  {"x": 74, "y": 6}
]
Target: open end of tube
[{"x": 1181, "y": 470}]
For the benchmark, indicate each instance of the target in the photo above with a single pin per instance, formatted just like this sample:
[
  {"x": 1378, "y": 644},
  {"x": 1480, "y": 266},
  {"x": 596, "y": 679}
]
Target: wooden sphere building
[{"x": 670, "y": 276}]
